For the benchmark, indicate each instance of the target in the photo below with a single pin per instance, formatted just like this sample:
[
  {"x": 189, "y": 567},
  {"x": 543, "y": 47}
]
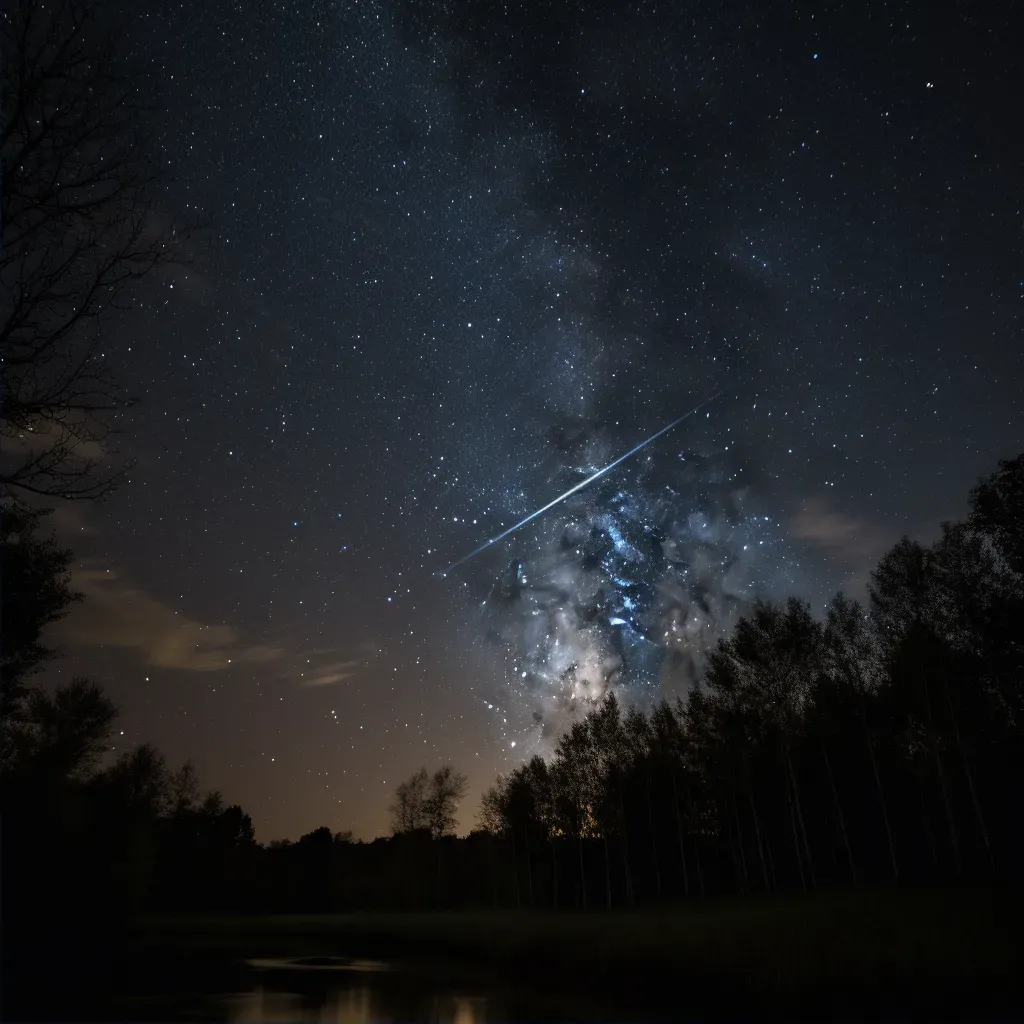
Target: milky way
[
  {"x": 585, "y": 482},
  {"x": 626, "y": 586}
]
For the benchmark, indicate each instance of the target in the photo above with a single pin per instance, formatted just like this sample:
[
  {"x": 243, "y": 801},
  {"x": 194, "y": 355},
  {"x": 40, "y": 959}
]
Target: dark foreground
[{"x": 869, "y": 954}]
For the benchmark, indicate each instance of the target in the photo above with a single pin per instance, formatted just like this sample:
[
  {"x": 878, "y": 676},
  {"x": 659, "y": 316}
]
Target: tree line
[{"x": 882, "y": 743}]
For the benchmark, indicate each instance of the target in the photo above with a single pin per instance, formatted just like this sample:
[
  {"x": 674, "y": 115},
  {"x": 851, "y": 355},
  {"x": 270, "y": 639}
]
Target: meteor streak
[{"x": 579, "y": 487}]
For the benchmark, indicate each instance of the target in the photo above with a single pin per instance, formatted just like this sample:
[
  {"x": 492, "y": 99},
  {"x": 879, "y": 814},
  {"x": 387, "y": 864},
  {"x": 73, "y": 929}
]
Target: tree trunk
[
  {"x": 583, "y": 876},
  {"x": 970, "y": 780},
  {"x": 515, "y": 870},
  {"x": 881, "y": 793},
  {"x": 554, "y": 873},
  {"x": 440, "y": 886},
  {"x": 607, "y": 872},
  {"x": 792, "y": 822},
  {"x": 947, "y": 804},
  {"x": 771, "y": 862},
  {"x": 944, "y": 789},
  {"x": 529, "y": 864},
  {"x": 760, "y": 845},
  {"x": 493, "y": 873},
  {"x": 630, "y": 894},
  {"x": 654, "y": 838},
  {"x": 800, "y": 818},
  {"x": 679, "y": 830},
  {"x": 839, "y": 811},
  {"x": 698, "y": 863},
  {"x": 745, "y": 886},
  {"x": 929, "y": 831},
  {"x": 697, "y": 857}
]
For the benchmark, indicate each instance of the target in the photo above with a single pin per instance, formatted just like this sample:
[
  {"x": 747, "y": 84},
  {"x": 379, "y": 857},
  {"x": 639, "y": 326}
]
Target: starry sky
[{"x": 455, "y": 258}]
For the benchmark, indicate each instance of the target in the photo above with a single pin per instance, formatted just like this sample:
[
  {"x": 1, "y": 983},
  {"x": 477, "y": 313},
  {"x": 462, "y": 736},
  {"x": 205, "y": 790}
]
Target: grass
[{"x": 858, "y": 949}]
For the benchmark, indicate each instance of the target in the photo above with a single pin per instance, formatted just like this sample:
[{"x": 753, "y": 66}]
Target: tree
[
  {"x": 997, "y": 511},
  {"x": 76, "y": 200},
  {"x": 212, "y": 805},
  {"x": 408, "y": 812},
  {"x": 668, "y": 747},
  {"x": 574, "y": 778},
  {"x": 36, "y": 592},
  {"x": 319, "y": 837},
  {"x": 760, "y": 681},
  {"x": 904, "y": 594},
  {"x": 183, "y": 790},
  {"x": 63, "y": 734},
  {"x": 447, "y": 788},
  {"x": 849, "y": 684},
  {"x": 615, "y": 749},
  {"x": 518, "y": 807},
  {"x": 997, "y": 518},
  {"x": 234, "y": 828},
  {"x": 428, "y": 802},
  {"x": 491, "y": 816},
  {"x": 139, "y": 783}
]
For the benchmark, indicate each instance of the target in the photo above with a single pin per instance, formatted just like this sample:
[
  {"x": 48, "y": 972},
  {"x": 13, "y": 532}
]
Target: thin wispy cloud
[{"x": 116, "y": 613}]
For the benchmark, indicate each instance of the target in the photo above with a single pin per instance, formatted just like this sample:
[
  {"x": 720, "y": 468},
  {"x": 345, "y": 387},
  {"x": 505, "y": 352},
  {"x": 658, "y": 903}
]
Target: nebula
[{"x": 627, "y": 585}]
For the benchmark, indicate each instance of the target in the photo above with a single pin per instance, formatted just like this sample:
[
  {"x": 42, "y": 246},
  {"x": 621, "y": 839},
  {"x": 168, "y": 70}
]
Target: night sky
[{"x": 460, "y": 256}]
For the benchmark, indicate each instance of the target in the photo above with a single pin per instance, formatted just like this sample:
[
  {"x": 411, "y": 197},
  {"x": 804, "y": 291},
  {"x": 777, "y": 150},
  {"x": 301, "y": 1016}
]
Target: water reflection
[
  {"x": 352, "y": 992},
  {"x": 317, "y": 963}
]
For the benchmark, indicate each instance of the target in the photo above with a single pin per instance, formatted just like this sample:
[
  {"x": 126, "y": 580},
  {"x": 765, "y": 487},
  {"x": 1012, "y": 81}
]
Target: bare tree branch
[{"x": 78, "y": 233}]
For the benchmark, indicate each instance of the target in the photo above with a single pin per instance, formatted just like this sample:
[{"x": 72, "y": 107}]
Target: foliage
[
  {"x": 997, "y": 510},
  {"x": 36, "y": 592},
  {"x": 428, "y": 802},
  {"x": 59, "y": 735}
]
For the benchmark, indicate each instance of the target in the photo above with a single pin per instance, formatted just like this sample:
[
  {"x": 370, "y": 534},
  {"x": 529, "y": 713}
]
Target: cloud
[
  {"x": 324, "y": 666},
  {"x": 837, "y": 533},
  {"x": 333, "y": 672},
  {"x": 117, "y": 614},
  {"x": 70, "y": 521},
  {"x": 75, "y": 437}
]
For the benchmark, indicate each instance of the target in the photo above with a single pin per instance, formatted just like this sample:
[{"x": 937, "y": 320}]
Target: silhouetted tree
[
  {"x": 447, "y": 788},
  {"x": 575, "y": 786},
  {"x": 62, "y": 734},
  {"x": 428, "y": 802},
  {"x": 138, "y": 782},
  {"x": 409, "y": 810},
  {"x": 997, "y": 512},
  {"x": 183, "y": 790},
  {"x": 76, "y": 194},
  {"x": 491, "y": 815},
  {"x": 668, "y": 749},
  {"x": 847, "y": 694},
  {"x": 36, "y": 592}
]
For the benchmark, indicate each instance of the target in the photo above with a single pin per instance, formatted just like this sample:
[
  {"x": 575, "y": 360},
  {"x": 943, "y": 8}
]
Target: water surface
[{"x": 274, "y": 990}]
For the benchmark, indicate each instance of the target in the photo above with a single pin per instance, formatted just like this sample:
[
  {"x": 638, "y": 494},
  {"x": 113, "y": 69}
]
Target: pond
[{"x": 335, "y": 989}]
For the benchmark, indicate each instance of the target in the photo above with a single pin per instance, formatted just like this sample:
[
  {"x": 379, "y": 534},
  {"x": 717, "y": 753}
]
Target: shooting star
[{"x": 579, "y": 487}]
